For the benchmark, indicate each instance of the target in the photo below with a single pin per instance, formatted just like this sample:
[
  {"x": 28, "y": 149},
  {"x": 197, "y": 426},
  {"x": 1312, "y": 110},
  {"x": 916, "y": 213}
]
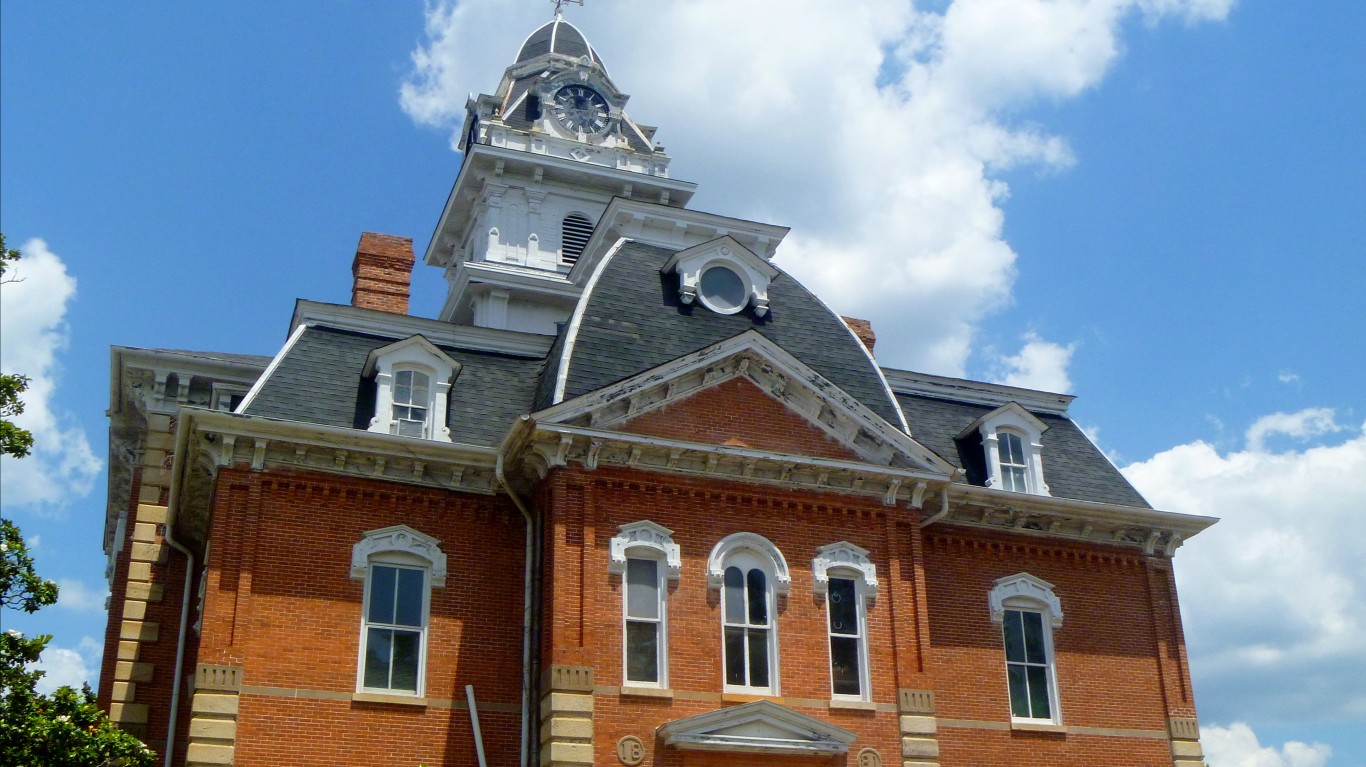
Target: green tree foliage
[{"x": 66, "y": 728}]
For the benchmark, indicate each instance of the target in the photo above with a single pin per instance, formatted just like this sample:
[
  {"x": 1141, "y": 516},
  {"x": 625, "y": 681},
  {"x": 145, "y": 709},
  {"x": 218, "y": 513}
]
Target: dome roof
[{"x": 559, "y": 36}]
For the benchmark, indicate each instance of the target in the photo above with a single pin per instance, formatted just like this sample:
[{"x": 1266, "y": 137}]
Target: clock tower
[{"x": 543, "y": 156}]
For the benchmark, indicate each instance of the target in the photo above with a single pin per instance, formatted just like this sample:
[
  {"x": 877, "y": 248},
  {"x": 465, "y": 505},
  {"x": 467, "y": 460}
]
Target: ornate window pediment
[
  {"x": 645, "y": 535},
  {"x": 1023, "y": 589},
  {"x": 725, "y": 276},
  {"x": 843, "y": 555},
  {"x": 402, "y": 541},
  {"x": 761, "y": 727},
  {"x": 763, "y": 547}
]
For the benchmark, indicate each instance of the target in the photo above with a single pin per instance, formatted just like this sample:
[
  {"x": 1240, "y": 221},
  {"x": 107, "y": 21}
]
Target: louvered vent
[{"x": 574, "y": 233}]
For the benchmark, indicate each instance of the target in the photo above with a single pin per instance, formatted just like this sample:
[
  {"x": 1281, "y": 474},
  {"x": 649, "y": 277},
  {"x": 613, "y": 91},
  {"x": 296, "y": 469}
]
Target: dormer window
[
  {"x": 411, "y": 403},
  {"x": 412, "y": 386},
  {"x": 723, "y": 275},
  {"x": 1012, "y": 449}
]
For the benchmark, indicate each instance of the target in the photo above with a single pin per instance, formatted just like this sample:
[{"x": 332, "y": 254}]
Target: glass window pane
[
  {"x": 1038, "y": 692},
  {"x": 758, "y": 657},
  {"x": 1014, "y": 636},
  {"x": 642, "y": 588},
  {"x": 844, "y": 666},
  {"x": 1019, "y": 691},
  {"x": 1033, "y": 635},
  {"x": 758, "y": 597},
  {"x": 642, "y": 652},
  {"x": 843, "y": 606},
  {"x": 735, "y": 655},
  {"x": 419, "y": 388},
  {"x": 723, "y": 288},
  {"x": 382, "y": 593},
  {"x": 1009, "y": 448},
  {"x": 406, "y": 651},
  {"x": 378, "y": 647},
  {"x": 408, "y": 605},
  {"x": 1013, "y": 479},
  {"x": 411, "y": 428},
  {"x": 735, "y": 596}
]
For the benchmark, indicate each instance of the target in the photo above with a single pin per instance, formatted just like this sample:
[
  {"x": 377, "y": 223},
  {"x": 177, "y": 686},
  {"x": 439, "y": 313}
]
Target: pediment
[
  {"x": 761, "y": 727},
  {"x": 750, "y": 363}
]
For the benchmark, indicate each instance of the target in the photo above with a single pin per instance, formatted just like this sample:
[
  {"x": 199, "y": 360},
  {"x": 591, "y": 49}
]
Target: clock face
[{"x": 580, "y": 108}]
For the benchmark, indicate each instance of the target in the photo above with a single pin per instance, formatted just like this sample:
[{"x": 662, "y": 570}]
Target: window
[
  {"x": 725, "y": 276},
  {"x": 645, "y": 555},
  {"x": 410, "y": 402},
  {"x": 574, "y": 233},
  {"x": 399, "y": 566},
  {"x": 722, "y": 290},
  {"x": 412, "y": 388},
  {"x": 750, "y": 572},
  {"x": 1012, "y": 449},
  {"x": 846, "y": 577},
  {"x": 1028, "y": 611}
]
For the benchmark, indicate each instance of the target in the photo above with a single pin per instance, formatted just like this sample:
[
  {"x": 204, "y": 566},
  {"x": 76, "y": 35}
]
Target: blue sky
[{"x": 1156, "y": 205}]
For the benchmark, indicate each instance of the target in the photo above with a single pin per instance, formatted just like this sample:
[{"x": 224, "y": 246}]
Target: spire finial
[{"x": 559, "y": 6}]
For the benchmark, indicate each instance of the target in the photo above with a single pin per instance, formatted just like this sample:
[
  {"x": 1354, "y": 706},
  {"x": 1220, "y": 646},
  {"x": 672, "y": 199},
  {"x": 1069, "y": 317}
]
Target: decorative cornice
[
  {"x": 1152, "y": 531},
  {"x": 645, "y": 534},
  {"x": 843, "y": 555}
]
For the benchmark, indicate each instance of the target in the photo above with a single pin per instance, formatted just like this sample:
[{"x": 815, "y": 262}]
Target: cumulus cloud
[
  {"x": 1040, "y": 364},
  {"x": 33, "y": 333},
  {"x": 1237, "y": 746},
  {"x": 67, "y": 667},
  {"x": 880, "y": 131},
  {"x": 1274, "y": 595}
]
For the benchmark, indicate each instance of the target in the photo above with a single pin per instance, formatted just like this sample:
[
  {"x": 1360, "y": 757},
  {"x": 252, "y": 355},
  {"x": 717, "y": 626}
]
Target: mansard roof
[{"x": 630, "y": 319}]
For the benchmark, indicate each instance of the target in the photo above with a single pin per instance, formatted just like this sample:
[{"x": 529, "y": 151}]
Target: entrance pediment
[{"x": 761, "y": 727}]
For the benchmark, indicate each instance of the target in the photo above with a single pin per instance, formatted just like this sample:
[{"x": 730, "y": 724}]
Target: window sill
[
  {"x": 748, "y": 697},
  {"x": 396, "y": 700},
  {"x": 1037, "y": 727},
  {"x": 647, "y": 692},
  {"x": 853, "y": 705}
]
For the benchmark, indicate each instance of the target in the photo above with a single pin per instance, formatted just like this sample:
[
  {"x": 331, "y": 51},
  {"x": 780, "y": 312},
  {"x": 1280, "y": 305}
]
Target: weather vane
[{"x": 560, "y": 4}]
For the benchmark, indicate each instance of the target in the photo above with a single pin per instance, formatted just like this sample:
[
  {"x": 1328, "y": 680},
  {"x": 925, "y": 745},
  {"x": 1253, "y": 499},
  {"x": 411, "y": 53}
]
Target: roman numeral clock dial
[{"x": 580, "y": 108}]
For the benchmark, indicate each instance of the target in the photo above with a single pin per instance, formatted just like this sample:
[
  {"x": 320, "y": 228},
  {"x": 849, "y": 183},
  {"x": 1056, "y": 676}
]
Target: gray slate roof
[
  {"x": 634, "y": 322},
  {"x": 566, "y": 39},
  {"x": 1072, "y": 466},
  {"x": 320, "y": 382}
]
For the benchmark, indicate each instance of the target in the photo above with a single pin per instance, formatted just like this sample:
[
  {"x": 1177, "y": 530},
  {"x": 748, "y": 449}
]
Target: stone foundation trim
[
  {"x": 718, "y": 697},
  {"x": 1185, "y": 739},
  {"x": 567, "y": 716},
  {"x": 213, "y": 716},
  {"x": 919, "y": 728},
  {"x": 145, "y": 552},
  {"x": 915, "y": 701}
]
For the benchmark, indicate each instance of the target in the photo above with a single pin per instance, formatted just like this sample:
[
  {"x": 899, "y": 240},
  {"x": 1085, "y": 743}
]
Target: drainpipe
[
  {"x": 182, "y": 440},
  {"x": 523, "y": 425},
  {"x": 943, "y": 508}
]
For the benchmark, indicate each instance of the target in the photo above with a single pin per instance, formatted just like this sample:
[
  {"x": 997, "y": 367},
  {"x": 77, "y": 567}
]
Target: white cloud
[
  {"x": 63, "y": 666},
  {"x": 33, "y": 333},
  {"x": 1274, "y": 595},
  {"x": 1237, "y": 746},
  {"x": 1039, "y": 364},
  {"x": 1288, "y": 377},
  {"x": 1301, "y": 427},
  {"x": 75, "y": 595},
  {"x": 877, "y": 130}
]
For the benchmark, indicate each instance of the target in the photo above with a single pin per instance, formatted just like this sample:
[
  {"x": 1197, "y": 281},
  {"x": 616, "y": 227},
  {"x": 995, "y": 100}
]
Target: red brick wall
[
  {"x": 736, "y": 412},
  {"x": 281, "y": 604}
]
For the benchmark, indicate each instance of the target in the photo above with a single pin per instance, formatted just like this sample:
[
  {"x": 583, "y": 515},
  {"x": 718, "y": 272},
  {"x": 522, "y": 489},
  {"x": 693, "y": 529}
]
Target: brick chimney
[
  {"x": 381, "y": 272},
  {"x": 863, "y": 329}
]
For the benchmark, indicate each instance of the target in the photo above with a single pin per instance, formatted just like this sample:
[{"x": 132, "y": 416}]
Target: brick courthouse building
[{"x": 635, "y": 496}]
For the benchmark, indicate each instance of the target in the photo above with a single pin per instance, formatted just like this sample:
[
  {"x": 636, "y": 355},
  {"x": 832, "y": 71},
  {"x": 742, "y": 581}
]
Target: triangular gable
[
  {"x": 761, "y": 727},
  {"x": 779, "y": 375},
  {"x": 412, "y": 349},
  {"x": 737, "y": 412},
  {"x": 1009, "y": 414}
]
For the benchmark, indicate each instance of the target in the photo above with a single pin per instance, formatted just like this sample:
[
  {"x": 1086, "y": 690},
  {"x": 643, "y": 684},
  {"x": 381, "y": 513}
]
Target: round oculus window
[{"x": 722, "y": 290}]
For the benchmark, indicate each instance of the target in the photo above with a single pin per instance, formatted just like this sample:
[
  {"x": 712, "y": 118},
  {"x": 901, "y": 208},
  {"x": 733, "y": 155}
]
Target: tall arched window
[
  {"x": 1014, "y": 469},
  {"x": 844, "y": 574},
  {"x": 750, "y": 572},
  {"x": 399, "y": 566},
  {"x": 645, "y": 555},
  {"x": 575, "y": 230},
  {"x": 412, "y": 402},
  {"x": 1028, "y": 612}
]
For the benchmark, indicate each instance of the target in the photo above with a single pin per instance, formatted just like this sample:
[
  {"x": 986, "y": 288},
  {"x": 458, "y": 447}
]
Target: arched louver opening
[{"x": 574, "y": 233}]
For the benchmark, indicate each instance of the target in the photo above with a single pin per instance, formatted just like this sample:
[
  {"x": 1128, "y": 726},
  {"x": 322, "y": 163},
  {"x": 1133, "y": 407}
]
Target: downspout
[
  {"x": 943, "y": 508},
  {"x": 181, "y": 441},
  {"x": 521, "y": 426}
]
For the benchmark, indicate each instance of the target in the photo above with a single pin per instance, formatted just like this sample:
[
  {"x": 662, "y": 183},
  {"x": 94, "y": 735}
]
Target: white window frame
[
  {"x": 1025, "y": 593},
  {"x": 649, "y": 541},
  {"x": 1012, "y": 418},
  {"x": 425, "y": 403},
  {"x": 400, "y": 547},
  {"x": 418, "y": 355},
  {"x": 751, "y": 551},
  {"x": 846, "y": 561},
  {"x": 724, "y": 252}
]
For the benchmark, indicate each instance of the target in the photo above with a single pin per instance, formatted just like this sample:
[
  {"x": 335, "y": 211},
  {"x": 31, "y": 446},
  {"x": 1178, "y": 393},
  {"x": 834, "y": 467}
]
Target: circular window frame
[{"x": 745, "y": 283}]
